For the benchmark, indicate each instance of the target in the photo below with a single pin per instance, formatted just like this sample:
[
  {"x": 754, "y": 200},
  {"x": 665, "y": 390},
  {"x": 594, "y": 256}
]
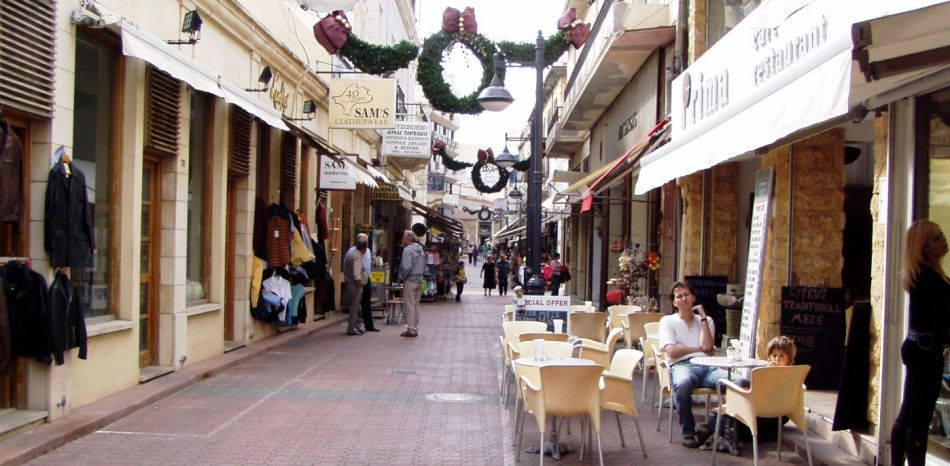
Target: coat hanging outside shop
[
  {"x": 69, "y": 236},
  {"x": 67, "y": 324},
  {"x": 11, "y": 160},
  {"x": 27, "y": 302}
]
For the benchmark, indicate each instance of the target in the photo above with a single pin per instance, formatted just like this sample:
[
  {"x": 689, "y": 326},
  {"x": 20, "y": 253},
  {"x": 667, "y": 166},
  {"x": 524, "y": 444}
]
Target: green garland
[
  {"x": 523, "y": 52},
  {"x": 377, "y": 59},
  {"x": 522, "y": 166},
  {"x": 449, "y": 162},
  {"x": 430, "y": 72},
  {"x": 481, "y": 186}
]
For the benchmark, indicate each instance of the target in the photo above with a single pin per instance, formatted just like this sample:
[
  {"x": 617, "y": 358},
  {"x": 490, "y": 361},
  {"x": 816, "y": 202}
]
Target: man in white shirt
[
  {"x": 365, "y": 298},
  {"x": 686, "y": 334}
]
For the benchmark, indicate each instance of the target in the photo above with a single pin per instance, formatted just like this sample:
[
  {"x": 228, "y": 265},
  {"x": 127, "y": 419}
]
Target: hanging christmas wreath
[
  {"x": 477, "y": 177},
  {"x": 333, "y": 32},
  {"x": 447, "y": 160}
]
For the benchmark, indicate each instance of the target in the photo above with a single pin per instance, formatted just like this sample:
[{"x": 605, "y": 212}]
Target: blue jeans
[{"x": 685, "y": 377}]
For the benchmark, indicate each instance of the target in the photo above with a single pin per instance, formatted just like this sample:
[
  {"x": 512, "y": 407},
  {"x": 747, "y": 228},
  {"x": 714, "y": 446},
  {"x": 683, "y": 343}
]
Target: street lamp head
[
  {"x": 495, "y": 97},
  {"x": 506, "y": 159},
  {"x": 516, "y": 193}
]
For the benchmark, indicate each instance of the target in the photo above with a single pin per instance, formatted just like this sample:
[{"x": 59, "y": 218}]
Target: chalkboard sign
[
  {"x": 814, "y": 318},
  {"x": 706, "y": 287},
  {"x": 544, "y": 316},
  {"x": 544, "y": 309}
]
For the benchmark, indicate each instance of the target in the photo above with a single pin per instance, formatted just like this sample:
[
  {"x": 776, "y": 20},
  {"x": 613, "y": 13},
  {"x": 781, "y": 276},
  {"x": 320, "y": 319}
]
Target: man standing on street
[
  {"x": 354, "y": 279},
  {"x": 365, "y": 298},
  {"x": 410, "y": 272}
]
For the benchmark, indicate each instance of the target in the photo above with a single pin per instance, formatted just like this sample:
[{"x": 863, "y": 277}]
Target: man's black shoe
[
  {"x": 702, "y": 434},
  {"x": 372, "y": 329},
  {"x": 690, "y": 442}
]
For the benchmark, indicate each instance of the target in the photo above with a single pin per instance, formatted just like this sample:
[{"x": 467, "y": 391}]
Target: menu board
[
  {"x": 544, "y": 309},
  {"x": 761, "y": 205},
  {"x": 706, "y": 287},
  {"x": 814, "y": 318}
]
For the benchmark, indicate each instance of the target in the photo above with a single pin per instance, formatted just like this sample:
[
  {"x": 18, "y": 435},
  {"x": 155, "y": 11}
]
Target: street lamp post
[
  {"x": 495, "y": 98},
  {"x": 535, "y": 284}
]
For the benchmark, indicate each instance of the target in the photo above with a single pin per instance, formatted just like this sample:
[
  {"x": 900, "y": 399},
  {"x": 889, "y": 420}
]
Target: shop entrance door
[
  {"x": 148, "y": 275},
  {"x": 229, "y": 248}
]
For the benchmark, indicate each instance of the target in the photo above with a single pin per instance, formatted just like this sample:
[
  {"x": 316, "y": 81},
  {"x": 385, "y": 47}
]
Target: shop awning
[
  {"x": 380, "y": 176},
  {"x": 744, "y": 94},
  {"x": 312, "y": 139},
  {"x": 510, "y": 230},
  {"x": 360, "y": 174},
  {"x": 237, "y": 96},
  {"x": 450, "y": 225},
  {"x": 565, "y": 176},
  {"x": 139, "y": 43},
  {"x": 625, "y": 163}
]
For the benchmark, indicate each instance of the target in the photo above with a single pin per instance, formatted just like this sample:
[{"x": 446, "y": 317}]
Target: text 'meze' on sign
[
  {"x": 545, "y": 309},
  {"x": 761, "y": 205},
  {"x": 334, "y": 174},
  {"x": 408, "y": 139},
  {"x": 362, "y": 103}
]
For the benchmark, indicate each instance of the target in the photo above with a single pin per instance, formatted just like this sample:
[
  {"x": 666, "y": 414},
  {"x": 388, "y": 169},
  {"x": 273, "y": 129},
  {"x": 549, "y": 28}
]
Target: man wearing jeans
[
  {"x": 411, "y": 269},
  {"x": 686, "y": 334}
]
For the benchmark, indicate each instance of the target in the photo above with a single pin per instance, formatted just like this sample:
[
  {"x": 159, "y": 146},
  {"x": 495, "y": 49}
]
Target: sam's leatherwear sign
[{"x": 363, "y": 103}]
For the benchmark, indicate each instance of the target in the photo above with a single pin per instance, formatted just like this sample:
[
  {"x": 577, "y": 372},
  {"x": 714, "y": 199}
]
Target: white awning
[
  {"x": 745, "y": 94},
  {"x": 142, "y": 44},
  {"x": 378, "y": 174},
  {"x": 360, "y": 174},
  {"x": 237, "y": 96}
]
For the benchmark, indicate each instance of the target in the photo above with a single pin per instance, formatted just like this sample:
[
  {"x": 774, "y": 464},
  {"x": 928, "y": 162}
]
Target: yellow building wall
[
  {"x": 205, "y": 336},
  {"x": 112, "y": 365}
]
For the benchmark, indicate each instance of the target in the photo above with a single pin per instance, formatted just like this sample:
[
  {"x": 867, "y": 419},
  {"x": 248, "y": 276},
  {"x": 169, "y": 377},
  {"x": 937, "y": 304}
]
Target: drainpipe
[{"x": 681, "y": 45}]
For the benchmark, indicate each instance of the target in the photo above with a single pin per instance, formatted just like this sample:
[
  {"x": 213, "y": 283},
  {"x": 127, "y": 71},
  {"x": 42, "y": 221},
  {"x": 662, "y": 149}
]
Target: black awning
[{"x": 438, "y": 220}]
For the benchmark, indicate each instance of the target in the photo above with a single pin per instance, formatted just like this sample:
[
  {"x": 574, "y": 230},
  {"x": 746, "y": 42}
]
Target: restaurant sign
[
  {"x": 334, "y": 174},
  {"x": 386, "y": 192},
  {"x": 408, "y": 139},
  {"x": 362, "y": 103},
  {"x": 544, "y": 309}
]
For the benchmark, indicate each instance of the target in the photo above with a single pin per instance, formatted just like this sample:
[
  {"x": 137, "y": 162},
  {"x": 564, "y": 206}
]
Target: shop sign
[
  {"x": 761, "y": 205},
  {"x": 362, "y": 103},
  {"x": 408, "y": 139},
  {"x": 377, "y": 276},
  {"x": 544, "y": 309},
  {"x": 334, "y": 175},
  {"x": 814, "y": 318},
  {"x": 386, "y": 192}
]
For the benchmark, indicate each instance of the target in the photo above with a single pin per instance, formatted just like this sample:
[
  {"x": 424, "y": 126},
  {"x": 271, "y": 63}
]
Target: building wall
[{"x": 878, "y": 260}]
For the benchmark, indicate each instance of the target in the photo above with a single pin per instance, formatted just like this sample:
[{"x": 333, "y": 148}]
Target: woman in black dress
[
  {"x": 488, "y": 271},
  {"x": 922, "y": 350}
]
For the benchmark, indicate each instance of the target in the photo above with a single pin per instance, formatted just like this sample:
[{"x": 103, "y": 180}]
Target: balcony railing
[
  {"x": 553, "y": 118},
  {"x": 594, "y": 30}
]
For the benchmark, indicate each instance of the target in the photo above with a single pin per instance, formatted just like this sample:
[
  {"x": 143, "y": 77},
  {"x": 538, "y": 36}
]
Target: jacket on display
[
  {"x": 11, "y": 160},
  {"x": 69, "y": 236},
  {"x": 67, "y": 323},
  {"x": 6, "y": 352},
  {"x": 28, "y": 306}
]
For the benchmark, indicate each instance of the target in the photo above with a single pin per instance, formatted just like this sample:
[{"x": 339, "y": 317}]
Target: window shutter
[
  {"x": 163, "y": 109},
  {"x": 288, "y": 168},
  {"x": 27, "y": 55},
  {"x": 240, "y": 143}
]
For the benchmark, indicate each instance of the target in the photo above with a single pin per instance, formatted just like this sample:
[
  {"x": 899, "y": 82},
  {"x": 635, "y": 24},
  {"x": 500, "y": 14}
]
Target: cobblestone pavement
[{"x": 372, "y": 399}]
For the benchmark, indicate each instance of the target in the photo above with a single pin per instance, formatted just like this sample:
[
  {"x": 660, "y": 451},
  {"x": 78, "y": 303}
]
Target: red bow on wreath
[
  {"x": 439, "y": 146},
  {"x": 577, "y": 30},
  {"x": 332, "y": 31},
  {"x": 486, "y": 155},
  {"x": 453, "y": 20}
]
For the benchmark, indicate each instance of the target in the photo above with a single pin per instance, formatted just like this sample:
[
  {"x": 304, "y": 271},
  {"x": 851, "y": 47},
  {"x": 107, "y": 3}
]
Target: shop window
[
  {"x": 199, "y": 147},
  {"x": 94, "y": 126},
  {"x": 239, "y": 162},
  {"x": 723, "y": 15},
  {"x": 162, "y": 113},
  {"x": 288, "y": 170}
]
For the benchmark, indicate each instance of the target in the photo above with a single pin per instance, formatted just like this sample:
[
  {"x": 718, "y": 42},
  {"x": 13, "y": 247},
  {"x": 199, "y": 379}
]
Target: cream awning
[{"x": 139, "y": 43}]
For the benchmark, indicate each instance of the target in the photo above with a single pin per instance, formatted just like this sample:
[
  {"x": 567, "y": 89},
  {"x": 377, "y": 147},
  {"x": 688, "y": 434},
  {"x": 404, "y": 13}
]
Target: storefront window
[
  {"x": 936, "y": 112},
  {"x": 93, "y": 127},
  {"x": 197, "y": 182},
  {"x": 723, "y": 15}
]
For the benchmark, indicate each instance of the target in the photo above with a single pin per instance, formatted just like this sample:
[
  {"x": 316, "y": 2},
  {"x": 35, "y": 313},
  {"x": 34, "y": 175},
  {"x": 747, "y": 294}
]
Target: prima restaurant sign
[{"x": 363, "y": 103}]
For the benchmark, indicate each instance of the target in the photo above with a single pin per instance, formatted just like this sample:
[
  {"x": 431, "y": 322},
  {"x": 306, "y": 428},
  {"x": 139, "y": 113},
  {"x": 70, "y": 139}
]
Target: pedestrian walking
[
  {"x": 460, "y": 281},
  {"x": 411, "y": 269},
  {"x": 922, "y": 350},
  {"x": 366, "y": 305},
  {"x": 555, "y": 265},
  {"x": 503, "y": 267},
  {"x": 488, "y": 272},
  {"x": 354, "y": 279}
]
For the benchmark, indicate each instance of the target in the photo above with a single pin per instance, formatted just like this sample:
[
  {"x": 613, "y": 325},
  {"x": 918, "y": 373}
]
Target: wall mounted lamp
[
  {"x": 264, "y": 79},
  {"x": 190, "y": 25},
  {"x": 309, "y": 110}
]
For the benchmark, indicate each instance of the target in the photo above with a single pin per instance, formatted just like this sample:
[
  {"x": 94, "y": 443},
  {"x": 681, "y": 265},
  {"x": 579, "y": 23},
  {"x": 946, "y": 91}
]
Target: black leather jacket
[
  {"x": 67, "y": 324},
  {"x": 28, "y": 306},
  {"x": 69, "y": 235}
]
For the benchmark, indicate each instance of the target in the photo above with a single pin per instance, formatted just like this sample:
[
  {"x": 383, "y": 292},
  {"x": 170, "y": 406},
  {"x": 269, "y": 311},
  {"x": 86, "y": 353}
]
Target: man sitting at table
[{"x": 686, "y": 334}]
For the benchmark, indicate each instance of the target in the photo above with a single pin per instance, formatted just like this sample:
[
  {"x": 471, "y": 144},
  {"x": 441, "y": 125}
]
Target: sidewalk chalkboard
[
  {"x": 544, "y": 309},
  {"x": 706, "y": 287},
  {"x": 814, "y": 318}
]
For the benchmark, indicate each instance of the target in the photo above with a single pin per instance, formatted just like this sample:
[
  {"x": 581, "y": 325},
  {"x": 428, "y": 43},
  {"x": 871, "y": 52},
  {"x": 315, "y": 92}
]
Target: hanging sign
[
  {"x": 334, "y": 174},
  {"x": 408, "y": 139},
  {"x": 362, "y": 103},
  {"x": 386, "y": 192},
  {"x": 761, "y": 205}
]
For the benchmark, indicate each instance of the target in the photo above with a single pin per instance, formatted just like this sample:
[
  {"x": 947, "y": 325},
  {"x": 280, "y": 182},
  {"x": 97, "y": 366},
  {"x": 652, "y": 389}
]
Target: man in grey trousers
[
  {"x": 411, "y": 269},
  {"x": 354, "y": 278}
]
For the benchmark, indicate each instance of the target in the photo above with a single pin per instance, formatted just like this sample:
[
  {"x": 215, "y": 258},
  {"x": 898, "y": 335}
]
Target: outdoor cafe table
[
  {"x": 549, "y": 447},
  {"x": 729, "y": 441}
]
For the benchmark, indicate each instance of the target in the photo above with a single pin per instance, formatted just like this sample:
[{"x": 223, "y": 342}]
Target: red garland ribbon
[
  {"x": 486, "y": 155},
  {"x": 578, "y": 32},
  {"x": 453, "y": 20},
  {"x": 332, "y": 31}
]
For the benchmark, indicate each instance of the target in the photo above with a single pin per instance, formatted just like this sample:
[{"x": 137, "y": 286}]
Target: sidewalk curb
[{"x": 87, "y": 419}]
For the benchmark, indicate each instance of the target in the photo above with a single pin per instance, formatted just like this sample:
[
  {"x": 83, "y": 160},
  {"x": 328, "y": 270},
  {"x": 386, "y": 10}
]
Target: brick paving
[{"x": 336, "y": 399}]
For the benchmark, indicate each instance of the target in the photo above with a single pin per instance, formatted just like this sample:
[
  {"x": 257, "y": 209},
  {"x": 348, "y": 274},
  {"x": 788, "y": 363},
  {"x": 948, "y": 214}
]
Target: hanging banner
[
  {"x": 408, "y": 139},
  {"x": 362, "y": 103},
  {"x": 334, "y": 175},
  {"x": 386, "y": 192},
  {"x": 761, "y": 205}
]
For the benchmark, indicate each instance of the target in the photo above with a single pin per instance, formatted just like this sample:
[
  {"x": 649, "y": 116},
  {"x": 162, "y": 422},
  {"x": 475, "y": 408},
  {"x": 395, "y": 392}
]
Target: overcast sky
[{"x": 498, "y": 20}]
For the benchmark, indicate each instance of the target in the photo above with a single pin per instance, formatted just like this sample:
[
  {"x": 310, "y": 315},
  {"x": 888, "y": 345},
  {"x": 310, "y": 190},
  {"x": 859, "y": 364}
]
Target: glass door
[{"x": 148, "y": 276}]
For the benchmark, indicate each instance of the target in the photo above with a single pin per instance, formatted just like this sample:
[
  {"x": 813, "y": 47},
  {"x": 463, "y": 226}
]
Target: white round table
[{"x": 551, "y": 361}]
